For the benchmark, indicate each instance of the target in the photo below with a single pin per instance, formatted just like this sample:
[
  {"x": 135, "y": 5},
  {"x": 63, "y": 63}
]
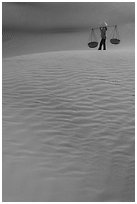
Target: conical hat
[{"x": 104, "y": 24}]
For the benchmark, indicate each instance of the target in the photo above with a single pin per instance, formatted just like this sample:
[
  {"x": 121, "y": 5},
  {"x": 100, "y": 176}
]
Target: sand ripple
[{"x": 68, "y": 127}]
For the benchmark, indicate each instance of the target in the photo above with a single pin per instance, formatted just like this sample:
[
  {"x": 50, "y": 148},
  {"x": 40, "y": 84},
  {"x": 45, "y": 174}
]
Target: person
[{"x": 103, "y": 38}]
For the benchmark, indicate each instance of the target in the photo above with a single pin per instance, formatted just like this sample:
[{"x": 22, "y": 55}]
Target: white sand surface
[{"x": 68, "y": 126}]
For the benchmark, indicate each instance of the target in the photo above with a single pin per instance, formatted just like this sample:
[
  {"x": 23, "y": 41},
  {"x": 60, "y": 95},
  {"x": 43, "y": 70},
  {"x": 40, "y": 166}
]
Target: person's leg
[
  {"x": 100, "y": 46},
  {"x": 104, "y": 44}
]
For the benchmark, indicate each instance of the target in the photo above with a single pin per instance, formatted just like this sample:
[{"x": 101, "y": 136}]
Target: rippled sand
[{"x": 68, "y": 127}]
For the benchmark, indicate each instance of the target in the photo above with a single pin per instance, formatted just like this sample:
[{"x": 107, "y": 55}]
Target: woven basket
[
  {"x": 93, "y": 44},
  {"x": 115, "y": 41}
]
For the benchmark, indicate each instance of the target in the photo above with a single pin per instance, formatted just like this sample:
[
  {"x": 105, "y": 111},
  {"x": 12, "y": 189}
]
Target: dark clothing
[
  {"x": 103, "y": 42},
  {"x": 103, "y": 38},
  {"x": 103, "y": 32}
]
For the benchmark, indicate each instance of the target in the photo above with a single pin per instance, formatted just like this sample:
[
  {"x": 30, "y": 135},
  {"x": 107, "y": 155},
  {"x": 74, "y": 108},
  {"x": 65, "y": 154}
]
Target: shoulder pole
[{"x": 94, "y": 28}]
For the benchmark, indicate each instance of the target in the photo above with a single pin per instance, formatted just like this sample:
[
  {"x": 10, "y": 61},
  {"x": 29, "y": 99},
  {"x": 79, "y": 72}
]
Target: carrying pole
[{"x": 94, "y": 28}]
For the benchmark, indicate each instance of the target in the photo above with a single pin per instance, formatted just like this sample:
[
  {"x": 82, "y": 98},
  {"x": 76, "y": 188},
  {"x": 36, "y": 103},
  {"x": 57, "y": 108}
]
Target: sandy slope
[
  {"x": 19, "y": 43},
  {"x": 68, "y": 126}
]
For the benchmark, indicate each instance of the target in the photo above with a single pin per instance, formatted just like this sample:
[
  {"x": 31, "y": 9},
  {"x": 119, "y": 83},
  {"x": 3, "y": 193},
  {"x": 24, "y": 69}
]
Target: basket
[
  {"x": 115, "y": 41},
  {"x": 93, "y": 44}
]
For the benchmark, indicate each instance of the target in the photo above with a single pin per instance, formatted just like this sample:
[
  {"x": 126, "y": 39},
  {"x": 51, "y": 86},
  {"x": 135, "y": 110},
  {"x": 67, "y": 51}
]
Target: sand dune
[
  {"x": 17, "y": 43},
  {"x": 68, "y": 126}
]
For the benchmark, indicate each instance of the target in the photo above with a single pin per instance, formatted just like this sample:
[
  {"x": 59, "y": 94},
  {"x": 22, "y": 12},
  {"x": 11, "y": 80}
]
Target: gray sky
[{"x": 65, "y": 16}]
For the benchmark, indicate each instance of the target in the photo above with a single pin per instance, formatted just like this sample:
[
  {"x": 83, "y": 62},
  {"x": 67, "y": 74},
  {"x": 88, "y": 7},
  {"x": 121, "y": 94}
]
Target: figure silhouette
[{"x": 103, "y": 38}]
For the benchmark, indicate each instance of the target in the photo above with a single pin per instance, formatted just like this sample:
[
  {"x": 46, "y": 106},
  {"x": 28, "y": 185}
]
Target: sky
[
  {"x": 66, "y": 16},
  {"x": 65, "y": 25}
]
